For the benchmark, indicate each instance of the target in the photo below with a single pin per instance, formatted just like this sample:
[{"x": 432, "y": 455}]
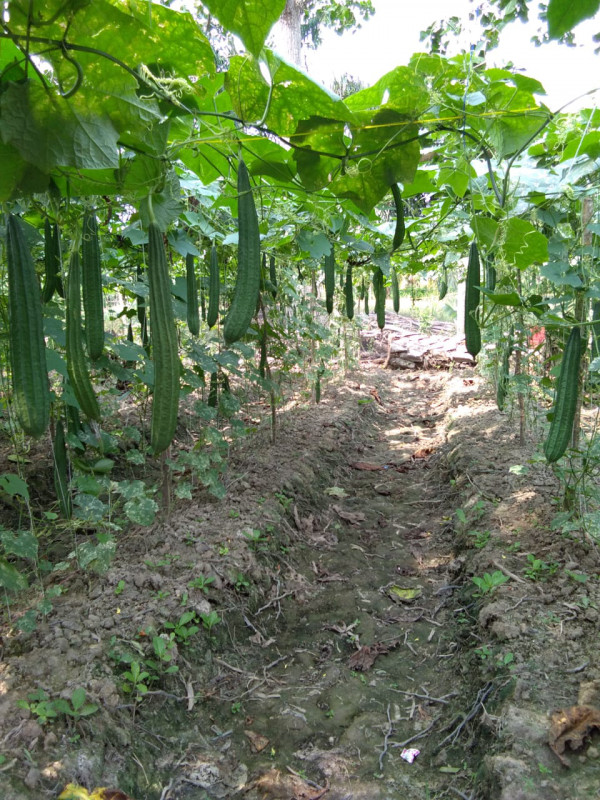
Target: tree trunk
[{"x": 287, "y": 31}]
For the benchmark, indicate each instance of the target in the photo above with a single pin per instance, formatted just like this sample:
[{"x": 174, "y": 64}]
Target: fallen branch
[
  {"x": 482, "y": 695},
  {"x": 386, "y": 739}
]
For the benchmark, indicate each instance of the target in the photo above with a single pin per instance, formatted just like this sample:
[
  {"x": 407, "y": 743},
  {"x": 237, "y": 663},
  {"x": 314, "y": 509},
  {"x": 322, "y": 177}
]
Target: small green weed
[
  {"x": 135, "y": 681},
  {"x": 209, "y": 621},
  {"x": 163, "y": 647},
  {"x": 480, "y": 538},
  {"x": 578, "y": 577},
  {"x": 202, "y": 583},
  {"x": 489, "y": 582},
  {"x": 539, "y": 570},
  {"x": 46, "y": 709},
  {"x": 284, "y": 500},
  {"x": 184, "y": 628},
  {"x": 241, "y": 582},
  {"x": 256, "y": 539}
]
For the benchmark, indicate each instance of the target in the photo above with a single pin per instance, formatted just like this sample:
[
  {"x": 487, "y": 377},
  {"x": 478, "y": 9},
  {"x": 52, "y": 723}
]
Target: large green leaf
[
  {"x": 264, "y": 157},
  {"x": 511, "y": 117},
  {"x": 317, "y": 244},
  {"x": 313, "y": 141},
  {"x": 563, "y": 15},
  {"x": 401, "y": 90},
  {"x": 168, "y": 43},
  {"x": 385, "y": 150},
  {"x": 52, "y": 132},
  {"x": 523, "y": 244},
  {"x": 485, "y": 229},
  {"x": 251, "y": 20},
  {"x": 457, "y": 175},
  {"x": 18, "y": 176},
  {"x": 291, "y": 96}
]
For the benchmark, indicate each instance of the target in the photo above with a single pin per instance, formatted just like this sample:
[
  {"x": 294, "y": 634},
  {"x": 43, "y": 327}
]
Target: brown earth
[{"x": 350, "y": 630}]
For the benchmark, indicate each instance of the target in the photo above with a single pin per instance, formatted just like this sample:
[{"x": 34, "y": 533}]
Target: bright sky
[{"x": 390, "y": 37}]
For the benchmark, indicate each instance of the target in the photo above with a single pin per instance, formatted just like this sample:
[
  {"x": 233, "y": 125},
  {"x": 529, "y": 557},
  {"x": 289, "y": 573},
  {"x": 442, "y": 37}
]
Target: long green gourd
[
  {"x": 349, "y": 293},
  {"x": 193, "y": 310},
  {"x": 395, "y": 291},
  {"x": 247, "y": 285},
  {"x": 329, "y": 270},
  {"x": 91, "y": 285},
  {"x": 52, "y": 262},
  {"x": 76, "y": 360},
  {"x": 61, "y": 471},
  {"x": 214, "y": 288},
  {"x": 273, "y": 276},
  {"x": 443, "y": 284},
  {"x": 379, "y": 291},
  {"x": 473, "y": 281},
  {"x": 31, "y": 394},
  {"x": 565, "y": 401},
  {"x": 165, "y": 356},
  {"x": 400, "y": 228}
]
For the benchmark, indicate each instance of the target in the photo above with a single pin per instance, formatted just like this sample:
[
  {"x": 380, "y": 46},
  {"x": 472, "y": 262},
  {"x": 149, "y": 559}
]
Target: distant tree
[
  {"x": 346, "y": 84},
  {"x": 302, "y": 22},
  {"x": 557, "y": 20}
]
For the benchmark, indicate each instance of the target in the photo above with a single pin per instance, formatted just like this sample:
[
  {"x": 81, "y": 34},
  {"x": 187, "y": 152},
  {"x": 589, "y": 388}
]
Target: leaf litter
[{"x": 334, "y": 712}]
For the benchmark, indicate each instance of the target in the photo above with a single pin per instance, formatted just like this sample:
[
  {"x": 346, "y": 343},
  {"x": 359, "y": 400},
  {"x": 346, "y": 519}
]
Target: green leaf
[
  {"x": 583, "y": 145},
  {"x": 486, "y": 230},
  {"x": 508, "y": 299},
  {"x": 13, "y": 485},
  {"x": 19, "y": 543},
  {"x": 291, "y": 96},
  {"x": 141, "y": 510},
  {"x": 52, "y": 132},
  {"x": 10, "y": 577},
  {"x": 457, "y": 176},
  {"x": 183, "y": 490},
  {"x": 564, "y": 15},
  {"x": 17, "y": 175},
  {"x": 167, "y": 203},
  {"x": 391, "y": 155},
  {"x": 78, "y": 697},
  {"x": 89, "y": 508},
  {"x": 524, "y": 244},
  {"x": 561, "y": 274},
  {"x": 97, "y": 557},
  {"x": 317, "y": 244},
  {"x": 251, "y": 20}
]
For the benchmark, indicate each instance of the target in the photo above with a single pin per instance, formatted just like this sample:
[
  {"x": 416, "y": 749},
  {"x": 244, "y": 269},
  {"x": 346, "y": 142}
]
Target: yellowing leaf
[
  {"x": 406, "y": 595},
  {"x": 74, "y": 792},
  {"x": 336, "y": 491}
]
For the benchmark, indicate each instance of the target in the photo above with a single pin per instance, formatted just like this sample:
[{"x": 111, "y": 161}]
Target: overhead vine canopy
[{"x": 101, "y": 97}]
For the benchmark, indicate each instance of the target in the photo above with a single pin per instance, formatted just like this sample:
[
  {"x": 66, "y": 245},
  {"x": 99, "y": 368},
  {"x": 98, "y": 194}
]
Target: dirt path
[{"x": 344, "y": 626}]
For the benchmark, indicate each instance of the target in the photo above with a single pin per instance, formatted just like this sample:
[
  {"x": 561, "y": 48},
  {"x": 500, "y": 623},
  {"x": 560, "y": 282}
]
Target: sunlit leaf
[
  {"x": 251, "y": 20},
  {"x": 563, "y": 15}
]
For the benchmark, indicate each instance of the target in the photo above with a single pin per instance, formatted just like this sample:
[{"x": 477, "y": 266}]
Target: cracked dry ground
[{"x": 348, "y": 622}]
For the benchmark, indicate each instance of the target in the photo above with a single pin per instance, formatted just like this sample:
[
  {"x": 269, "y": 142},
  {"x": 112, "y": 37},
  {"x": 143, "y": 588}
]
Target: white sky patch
[{"x": 391, "y": 36}]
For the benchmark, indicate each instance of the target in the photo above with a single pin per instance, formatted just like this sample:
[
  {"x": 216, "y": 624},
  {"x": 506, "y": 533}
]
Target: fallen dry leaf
[
  {"x": 257, "y": 741},
  {"x": 423, "y": 452},
  {"x": 275, "y": 786},
  {"x": 364, "y": 658},
  {"x": 365, "y": 465},
  {"x": 571, "y": 726},
  {"x": 353, "y": 517}
]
